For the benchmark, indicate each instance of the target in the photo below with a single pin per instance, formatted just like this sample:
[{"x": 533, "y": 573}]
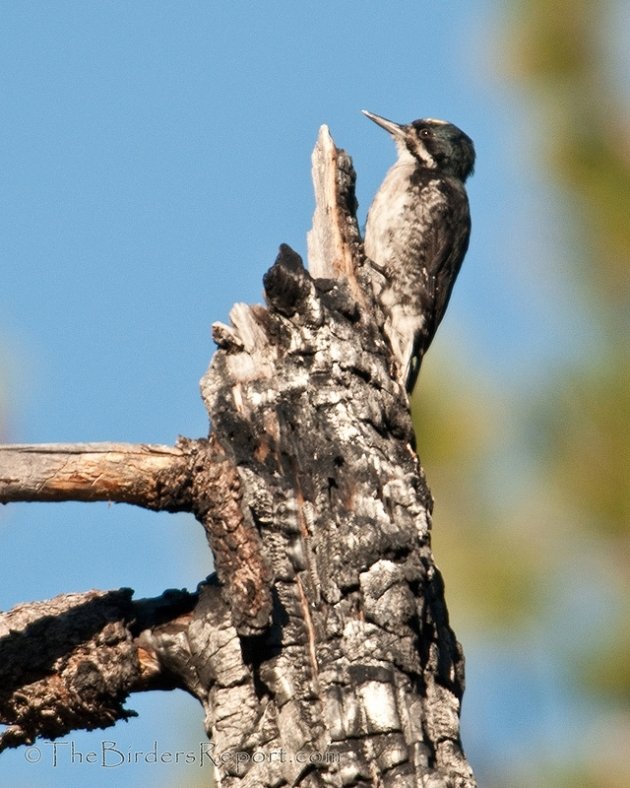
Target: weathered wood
[
  {"x": 241, "y": 563},
  {"x": 359, "y": 662},
  {"x": 70, "y": 662},
  {"x": 334, "y": 241},
  {"x": 321, "y": 651},
  {"x": 152, "y": 476}
]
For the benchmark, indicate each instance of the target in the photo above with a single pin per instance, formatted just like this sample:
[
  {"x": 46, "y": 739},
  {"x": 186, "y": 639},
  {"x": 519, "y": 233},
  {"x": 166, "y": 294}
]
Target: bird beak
[{"x": 393, "y": 128}]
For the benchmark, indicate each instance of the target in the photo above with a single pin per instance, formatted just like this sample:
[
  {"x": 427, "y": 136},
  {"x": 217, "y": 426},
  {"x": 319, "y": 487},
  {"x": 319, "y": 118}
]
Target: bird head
[{"x": 435, "y": 144}]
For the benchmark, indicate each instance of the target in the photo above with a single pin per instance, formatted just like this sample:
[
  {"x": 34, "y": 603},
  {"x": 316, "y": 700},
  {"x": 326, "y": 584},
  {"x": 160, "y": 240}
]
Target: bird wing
[{"x": 450, "y": 233}]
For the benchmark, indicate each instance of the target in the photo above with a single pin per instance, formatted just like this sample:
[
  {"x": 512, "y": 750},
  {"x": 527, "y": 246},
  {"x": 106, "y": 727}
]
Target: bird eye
[{"x": 426, "y": 133}]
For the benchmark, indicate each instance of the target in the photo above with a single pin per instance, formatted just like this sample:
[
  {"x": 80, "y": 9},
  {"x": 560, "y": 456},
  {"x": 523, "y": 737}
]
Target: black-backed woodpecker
[{"x": 417, "y": 233}]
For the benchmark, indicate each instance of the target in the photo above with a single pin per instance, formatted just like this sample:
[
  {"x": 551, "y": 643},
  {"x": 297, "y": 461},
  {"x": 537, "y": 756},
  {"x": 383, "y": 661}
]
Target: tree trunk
[{"x": 321, "y": 650}]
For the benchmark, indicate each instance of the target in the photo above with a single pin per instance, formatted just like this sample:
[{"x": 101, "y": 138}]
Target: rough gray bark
[{"x": 323, "y": 642}]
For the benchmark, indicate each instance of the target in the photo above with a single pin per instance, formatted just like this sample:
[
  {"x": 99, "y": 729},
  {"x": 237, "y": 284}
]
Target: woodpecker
[{"x": 417, "y": 233}]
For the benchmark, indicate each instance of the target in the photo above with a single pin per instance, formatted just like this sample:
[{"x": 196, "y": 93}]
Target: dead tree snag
[{"x": 324, "y": 635}]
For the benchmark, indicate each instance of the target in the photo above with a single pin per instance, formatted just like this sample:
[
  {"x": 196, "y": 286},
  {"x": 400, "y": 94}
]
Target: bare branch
[
  {"x": 66, "y": 663},
  {"x": 70, "y": 662},
  {"x": 151, "y": 476}
]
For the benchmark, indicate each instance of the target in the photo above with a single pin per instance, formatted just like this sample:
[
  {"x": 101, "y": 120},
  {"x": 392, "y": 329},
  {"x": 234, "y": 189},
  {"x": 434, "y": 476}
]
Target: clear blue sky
[{"x": 153, "y": 155}]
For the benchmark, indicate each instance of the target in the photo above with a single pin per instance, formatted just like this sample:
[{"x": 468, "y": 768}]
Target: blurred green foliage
[{"x": 565, "y": 533}]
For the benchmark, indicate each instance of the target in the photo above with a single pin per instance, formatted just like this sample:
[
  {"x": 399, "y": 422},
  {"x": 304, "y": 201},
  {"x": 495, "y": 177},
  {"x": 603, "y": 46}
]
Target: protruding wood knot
[
  {"x": 226, "y": 338},
  {"x": 287, "y": 283}
]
